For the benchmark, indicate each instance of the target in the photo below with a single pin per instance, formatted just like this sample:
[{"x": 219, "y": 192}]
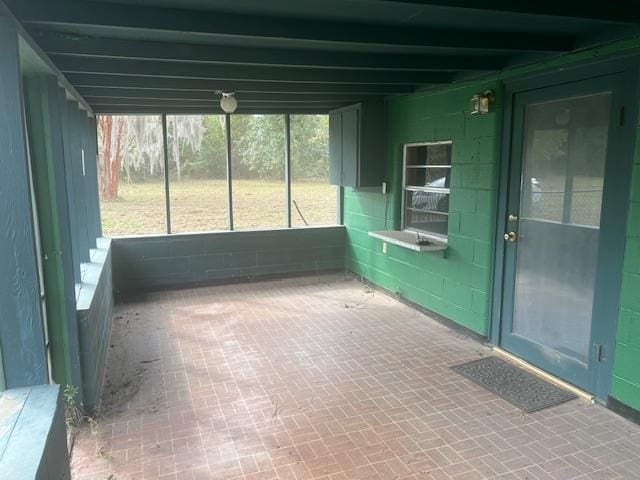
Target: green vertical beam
[
  {"x": 227, "y": 124},
  {"x": 73, "y": 243},
  {"x": 287, "y": 167},
  {"x": 93, "y": 159},
  {"x": 46, "y": 155},
  {"x": 88, "y": 173},
  {"x": 165, "y": 157},
  {"x": 21, "y": 327},
  {"x": 78, "y": 174}
]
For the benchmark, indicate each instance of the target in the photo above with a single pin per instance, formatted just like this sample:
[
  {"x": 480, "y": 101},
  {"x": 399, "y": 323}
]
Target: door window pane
[
  {"x": 257, "y": 157},
  {"x": 544, "y": 180},
  {"x": 558, "y": 233},
  {"x": 131, "y": 174},
  {"x": 197, "y": 172},
  {"x": 314, "y": 201},
  {"x": 588, "y": 153}
]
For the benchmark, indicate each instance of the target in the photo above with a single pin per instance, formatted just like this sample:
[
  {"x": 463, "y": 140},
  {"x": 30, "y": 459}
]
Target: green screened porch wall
[
  {"x": 457, "y": 284},
  {"x": 454, "y": 284}
]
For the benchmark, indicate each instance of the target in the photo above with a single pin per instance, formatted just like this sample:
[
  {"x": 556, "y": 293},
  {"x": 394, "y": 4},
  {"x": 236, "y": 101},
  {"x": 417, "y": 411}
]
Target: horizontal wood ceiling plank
[
  {"x": 60, "y": 43},
  {"x": 71, "y": 64},
  {"x": 81, "y": 80},
  {"x": 223, "y": 24}
]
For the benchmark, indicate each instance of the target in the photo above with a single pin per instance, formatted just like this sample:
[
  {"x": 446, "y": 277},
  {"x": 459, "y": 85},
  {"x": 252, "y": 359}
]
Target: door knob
[{"x": 510, "y": 237}]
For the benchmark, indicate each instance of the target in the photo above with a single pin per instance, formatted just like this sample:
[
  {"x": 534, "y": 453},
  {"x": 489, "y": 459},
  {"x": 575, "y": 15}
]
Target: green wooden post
[
  {"x": 90, "y": 177},
  {"x": 94, "y": 161},
  {"x": 74, "y": 243},
  {"x": 78, "y": 172},
  {"x": 45, "y": 141}
]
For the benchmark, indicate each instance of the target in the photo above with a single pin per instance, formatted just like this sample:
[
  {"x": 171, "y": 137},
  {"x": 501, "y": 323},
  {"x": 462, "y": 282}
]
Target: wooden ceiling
[{"x": 174, "y": 56}]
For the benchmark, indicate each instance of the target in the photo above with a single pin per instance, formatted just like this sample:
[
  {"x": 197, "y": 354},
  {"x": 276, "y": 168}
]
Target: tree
[
  {"x": 134, "y": 143},
  {"x": 111, "y": 139},
  {"x": 186, "y": 132}
]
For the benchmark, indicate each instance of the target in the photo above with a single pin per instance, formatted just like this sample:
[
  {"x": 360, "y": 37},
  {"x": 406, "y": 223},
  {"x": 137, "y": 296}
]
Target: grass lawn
[{"x": 201, "y": 205}]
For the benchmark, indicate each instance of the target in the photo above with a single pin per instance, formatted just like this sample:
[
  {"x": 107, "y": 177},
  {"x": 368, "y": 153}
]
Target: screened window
[
  {"x": 258, "y": 171},
  {"x": 314, "y": 201},
  {"x": 268, "y": 189},
  {"x": 427, "y": 174},
  {"x": 197, "y": 172},
  {"x": 131, "y": 174}
]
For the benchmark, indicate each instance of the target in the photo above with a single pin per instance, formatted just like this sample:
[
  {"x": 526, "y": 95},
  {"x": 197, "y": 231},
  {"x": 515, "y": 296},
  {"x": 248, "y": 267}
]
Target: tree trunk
[{"x": 111, "y": 154}]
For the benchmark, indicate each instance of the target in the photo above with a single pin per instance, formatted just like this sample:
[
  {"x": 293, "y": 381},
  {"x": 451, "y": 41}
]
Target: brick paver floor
[{"x": 321, "y": 378}]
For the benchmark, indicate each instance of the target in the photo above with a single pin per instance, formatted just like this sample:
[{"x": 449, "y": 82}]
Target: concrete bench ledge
[{"x": 33, "y": 443}]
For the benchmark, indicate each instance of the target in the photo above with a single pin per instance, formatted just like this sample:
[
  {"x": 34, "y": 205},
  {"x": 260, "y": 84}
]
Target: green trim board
[{"x": 46, "y": 155}]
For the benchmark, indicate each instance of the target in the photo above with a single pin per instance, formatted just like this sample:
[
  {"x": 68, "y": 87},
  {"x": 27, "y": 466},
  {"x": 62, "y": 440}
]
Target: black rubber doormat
[{"x": 518, "y": 387}]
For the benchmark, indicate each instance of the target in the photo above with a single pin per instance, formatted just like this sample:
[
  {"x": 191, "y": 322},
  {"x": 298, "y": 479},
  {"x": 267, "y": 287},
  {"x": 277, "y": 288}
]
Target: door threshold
[{"x": 544, "y": 375}]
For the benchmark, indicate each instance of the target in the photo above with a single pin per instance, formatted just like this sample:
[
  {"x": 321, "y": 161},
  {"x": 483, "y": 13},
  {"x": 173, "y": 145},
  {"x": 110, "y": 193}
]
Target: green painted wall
[
  {"x": 95, "y": 316},
  {"x": 626, "y": 377},
  {"x": 457, "y": 285},
  {"x": 162, "y": 261}
]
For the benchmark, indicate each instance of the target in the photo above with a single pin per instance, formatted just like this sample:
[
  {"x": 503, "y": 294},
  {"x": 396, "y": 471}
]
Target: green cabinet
[{"x": 357, "y": 145}]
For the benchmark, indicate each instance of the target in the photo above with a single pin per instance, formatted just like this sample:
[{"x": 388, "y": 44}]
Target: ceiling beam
[
  {"x": 71, "y": 64},
  {"x": 215, "y": 107},
  {"x": 84, "y": 46},
  {"x": 212, "y": 102},
  {"x": 83, "y": 80},
  {"x": 96, "y": 93},
  {"x": 223, "y": 25},
  {"x": 147, "y": 110},
  {"x": 615, "y": 11},
  {"x": 35, "y": 48}
]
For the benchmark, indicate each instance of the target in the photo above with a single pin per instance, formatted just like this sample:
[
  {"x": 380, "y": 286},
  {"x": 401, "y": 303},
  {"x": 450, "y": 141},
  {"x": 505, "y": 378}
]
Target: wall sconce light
[
  {"x": 480, "y": 102},
  {"x": 228, "y": 102}
]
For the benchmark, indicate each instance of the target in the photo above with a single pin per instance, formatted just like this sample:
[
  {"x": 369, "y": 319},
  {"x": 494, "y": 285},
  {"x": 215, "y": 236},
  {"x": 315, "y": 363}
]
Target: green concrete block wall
[
  {"x": 161, "y": 261},
  {"x": 456, "y": 284},
  {"x": 95, "y": 315},
  {"x": 626, "y": 374}
]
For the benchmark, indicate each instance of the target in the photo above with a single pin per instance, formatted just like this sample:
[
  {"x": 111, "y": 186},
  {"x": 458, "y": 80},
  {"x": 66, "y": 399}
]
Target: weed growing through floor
[
  {"x": 94, "y": 428},
  {"x": 72, "y": 414}
]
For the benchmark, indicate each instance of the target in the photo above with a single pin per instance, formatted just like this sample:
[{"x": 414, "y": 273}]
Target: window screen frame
[{"x": 405, "y": 189}]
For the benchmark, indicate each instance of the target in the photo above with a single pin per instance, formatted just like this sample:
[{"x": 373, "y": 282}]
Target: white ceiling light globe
[{"x": 228, "y": 102}]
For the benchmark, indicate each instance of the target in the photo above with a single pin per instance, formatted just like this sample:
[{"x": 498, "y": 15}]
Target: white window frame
[{"x": 447, "y": 191}]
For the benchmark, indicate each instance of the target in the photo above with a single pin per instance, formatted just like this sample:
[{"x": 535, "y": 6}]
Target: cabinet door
[
  {"x": 350, "y": 147},
  {"x": 335, "y": 148}
]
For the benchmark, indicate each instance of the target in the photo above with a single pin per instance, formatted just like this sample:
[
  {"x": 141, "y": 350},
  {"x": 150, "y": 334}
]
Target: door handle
[{"x": 510, "y": 237}]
